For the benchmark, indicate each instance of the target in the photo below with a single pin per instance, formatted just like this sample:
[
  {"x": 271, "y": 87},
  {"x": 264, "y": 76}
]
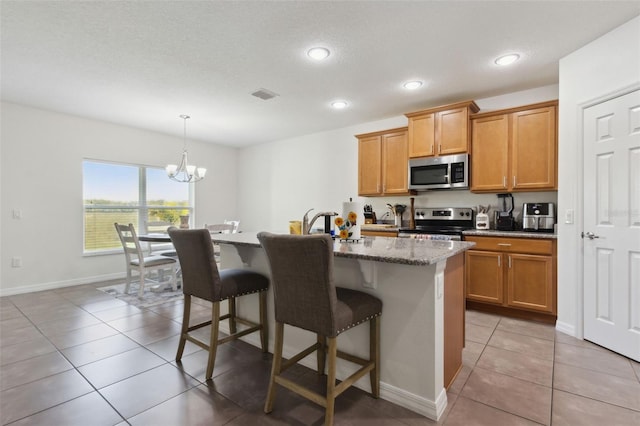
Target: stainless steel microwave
[{"x": 446, "y": 172}]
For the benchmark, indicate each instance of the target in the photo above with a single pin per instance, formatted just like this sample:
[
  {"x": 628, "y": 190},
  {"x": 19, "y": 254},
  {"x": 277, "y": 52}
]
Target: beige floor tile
[
  {"x": 90, "y": 409},
  {"x": 636, "y": 368},
  {"x": 467, "y": 412},
  {"x": 200, "y": 405},
  {"x": 570, "y": 340},
  {"x": 516, "y": 396},
  {"x": 570, "y": 409},
  {"x": 471, "y": 353},
  {"x": 146, "y": 390},
  {"x": 516, "y": 364},
  {"x": 533, "y": 346},
  {"x": 119, "y": 367},
  {"x": 27, "y": 399},
  {"x": 594, "y": 359},
  {"x": 592, "y": 384},
  {"x": 481, "y": 318},
  {"x": 82, "y": 335},
  {"x": 25, "y": 350},
  {"x": 478, "y": 333},
  {"x": 460, "y": 380},
  {"x": 528, "y": 328},
  {"x": 32, "y": 369},
  {"x": 155, "y": 332},
  {"x": 99, "y": 349}
]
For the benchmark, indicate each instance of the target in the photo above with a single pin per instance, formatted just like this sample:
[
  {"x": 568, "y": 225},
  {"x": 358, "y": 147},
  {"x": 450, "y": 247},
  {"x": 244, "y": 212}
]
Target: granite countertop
[
  {"x": 512, "y": 234},
  {"x": 407, "y": 251}
]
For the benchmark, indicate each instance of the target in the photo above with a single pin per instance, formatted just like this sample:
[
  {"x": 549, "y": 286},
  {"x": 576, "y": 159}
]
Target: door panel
[
  {"x": 484, "y": 276},
  {"x": 611, "y": 196}
]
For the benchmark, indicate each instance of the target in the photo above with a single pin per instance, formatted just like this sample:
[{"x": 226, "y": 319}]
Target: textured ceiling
[{"x": 143, "y": 63}]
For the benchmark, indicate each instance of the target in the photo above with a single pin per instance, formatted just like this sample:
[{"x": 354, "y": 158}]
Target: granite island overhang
[{"x": 421, "y": 284}]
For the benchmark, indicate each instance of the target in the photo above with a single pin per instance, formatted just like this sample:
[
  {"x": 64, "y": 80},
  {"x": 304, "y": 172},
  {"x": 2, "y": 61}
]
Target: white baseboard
[
  {"x": 59, "y": 284},
  {"x": 566, "y": 328}
]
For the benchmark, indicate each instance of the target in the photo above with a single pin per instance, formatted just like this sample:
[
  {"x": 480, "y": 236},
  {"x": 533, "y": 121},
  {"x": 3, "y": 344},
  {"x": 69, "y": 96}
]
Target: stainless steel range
[{"x": 440, "y": 223}]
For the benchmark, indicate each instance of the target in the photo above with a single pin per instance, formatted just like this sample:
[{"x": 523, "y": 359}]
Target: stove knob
[
  {"x": 536, "y": 211},
  {"x": 467, "y": 214},
  {"x": 461, "y": 214}
]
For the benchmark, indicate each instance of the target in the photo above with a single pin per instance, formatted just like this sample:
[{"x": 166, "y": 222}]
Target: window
[{"x": 127, "y": 193}]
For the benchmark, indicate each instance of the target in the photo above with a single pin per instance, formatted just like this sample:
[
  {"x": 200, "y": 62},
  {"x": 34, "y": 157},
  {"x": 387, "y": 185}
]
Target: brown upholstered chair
[
  {"x": 306, "y": 297},
  {"x": 201, "y": 278}
]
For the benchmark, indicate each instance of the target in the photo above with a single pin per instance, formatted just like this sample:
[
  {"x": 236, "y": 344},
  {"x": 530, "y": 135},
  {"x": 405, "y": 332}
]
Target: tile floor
[{"x": 77, "y": 356}]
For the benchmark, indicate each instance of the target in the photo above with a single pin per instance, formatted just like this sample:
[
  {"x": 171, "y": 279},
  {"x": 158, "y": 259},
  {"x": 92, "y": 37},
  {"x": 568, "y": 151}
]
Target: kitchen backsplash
[{"x": 459, "y": 198}]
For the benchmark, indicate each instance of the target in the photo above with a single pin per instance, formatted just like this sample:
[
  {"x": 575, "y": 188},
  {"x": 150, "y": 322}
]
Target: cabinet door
[
  {"x": 530, "y": 282},
  {"x": 490, "y": 153},
  {"x": 370, "y": 166},
  {"x": 395, "y": 163},
  {"x": 452, "y": 131},
  {"x": 534, "y": 149},
  {"x": 484, "y": 276},
  {"x": 422, "y": 135}
]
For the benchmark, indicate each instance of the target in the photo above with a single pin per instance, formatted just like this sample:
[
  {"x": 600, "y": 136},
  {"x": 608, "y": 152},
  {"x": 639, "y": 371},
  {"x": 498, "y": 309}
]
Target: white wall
[
  {"x": 605, "y": 66},
  {"x": 280, "y": 181},
  {"x": 41, "y": 157}
]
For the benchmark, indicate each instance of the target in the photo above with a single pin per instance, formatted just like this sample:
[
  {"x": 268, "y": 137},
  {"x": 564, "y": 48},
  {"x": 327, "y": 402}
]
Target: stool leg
[
  {"x": 264, "y": 331},
  {"x": 331, "y": 380},
  {"x": 186, "y": 313},
  {"x": 321, "y": 353},
  {"x": 374, "y": 355},
  {"x": 275, "y": 367},
  {"x": 213, "y": 340},
  {"x": 232, "y": 316}
]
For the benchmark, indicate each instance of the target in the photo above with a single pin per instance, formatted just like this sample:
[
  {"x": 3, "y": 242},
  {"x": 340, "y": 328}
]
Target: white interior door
[{"x": 611, "y": 235}]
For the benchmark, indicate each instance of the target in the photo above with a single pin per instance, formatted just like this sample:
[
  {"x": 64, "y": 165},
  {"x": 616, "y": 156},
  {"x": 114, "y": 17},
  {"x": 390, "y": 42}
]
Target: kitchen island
[{"x": 421, "y": 285}]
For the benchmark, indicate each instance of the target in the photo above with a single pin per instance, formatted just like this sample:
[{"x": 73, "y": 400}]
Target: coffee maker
[{"x": 538, "y": 217}]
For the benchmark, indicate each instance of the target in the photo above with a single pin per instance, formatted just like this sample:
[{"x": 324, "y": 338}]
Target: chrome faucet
[{"x": 306, "y": 225}]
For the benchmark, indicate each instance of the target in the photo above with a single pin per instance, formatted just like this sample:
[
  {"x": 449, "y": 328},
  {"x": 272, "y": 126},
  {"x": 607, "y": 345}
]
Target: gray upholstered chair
[
  {"x": 138, "y": 262},
  {"x": 306, "y": 297},
  {"x": 201, "y": 278}
]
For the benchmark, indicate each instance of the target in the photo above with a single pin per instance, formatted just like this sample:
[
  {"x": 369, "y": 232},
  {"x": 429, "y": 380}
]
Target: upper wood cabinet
[
  {"x": 515, "y": 149},
  {"x": 382, "y": 162},
  {"x": 440, "y": 131}
]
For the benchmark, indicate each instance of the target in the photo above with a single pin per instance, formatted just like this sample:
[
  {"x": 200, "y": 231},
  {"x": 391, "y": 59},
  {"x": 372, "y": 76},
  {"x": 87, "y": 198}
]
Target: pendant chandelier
[{"x": 185, "y": 172}]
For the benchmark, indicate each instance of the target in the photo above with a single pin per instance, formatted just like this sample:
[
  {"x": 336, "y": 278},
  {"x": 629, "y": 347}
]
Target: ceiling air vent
[{"x": 264, "y": 94}]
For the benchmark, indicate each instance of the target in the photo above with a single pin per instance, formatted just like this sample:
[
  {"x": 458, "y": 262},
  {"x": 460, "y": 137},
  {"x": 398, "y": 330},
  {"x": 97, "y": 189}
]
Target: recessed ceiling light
[
  {"x": 507, "y": 59},
  {"x": 339, "y": 104},
  {"x": 318, "y": 53},
  {"x": 412, "y": 85}
]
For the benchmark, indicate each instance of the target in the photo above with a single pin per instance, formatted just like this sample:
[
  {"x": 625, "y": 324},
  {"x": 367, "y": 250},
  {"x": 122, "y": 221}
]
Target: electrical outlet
[
  {"x": 16, "y": 262},
  {"x": 17, "y": 214}
]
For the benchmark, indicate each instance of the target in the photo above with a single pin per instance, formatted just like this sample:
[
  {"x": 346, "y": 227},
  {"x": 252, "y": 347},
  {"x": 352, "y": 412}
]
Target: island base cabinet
[{"x": 512, "y": 274}]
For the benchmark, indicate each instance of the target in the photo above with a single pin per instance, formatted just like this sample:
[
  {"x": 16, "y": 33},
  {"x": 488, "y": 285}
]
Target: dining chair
[
  {"x": 159, "y": 227},
  {"x": 306, "y": 297},
  {"x": 201, "y": 278},
  {"x": 235, "y": 223},
  {"x": 138, "y": 262}
]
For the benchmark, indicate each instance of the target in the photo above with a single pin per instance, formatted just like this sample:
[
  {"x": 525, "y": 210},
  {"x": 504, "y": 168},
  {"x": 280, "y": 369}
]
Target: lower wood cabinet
[{"x": 516, "y": 273}]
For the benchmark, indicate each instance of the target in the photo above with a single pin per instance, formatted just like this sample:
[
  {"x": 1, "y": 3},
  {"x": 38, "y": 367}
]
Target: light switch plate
[{"x": 568, "y": 216}]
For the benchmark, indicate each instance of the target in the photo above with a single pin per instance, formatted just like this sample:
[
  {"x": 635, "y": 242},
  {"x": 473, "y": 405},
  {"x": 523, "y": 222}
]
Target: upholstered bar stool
[
  {"x": 201, "y": 278},
  {"x": 306, "y": 297}
]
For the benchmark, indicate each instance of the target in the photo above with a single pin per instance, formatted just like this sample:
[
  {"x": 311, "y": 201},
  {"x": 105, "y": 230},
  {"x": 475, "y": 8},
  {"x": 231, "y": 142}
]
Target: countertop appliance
[
  {"x": 445, "y": 172},
  {"x": 440, "y": 223},
  {"x": 504, "y": 219},
  {"x": 369, "y": 214},
  {"x": 538, "y": 217}
]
